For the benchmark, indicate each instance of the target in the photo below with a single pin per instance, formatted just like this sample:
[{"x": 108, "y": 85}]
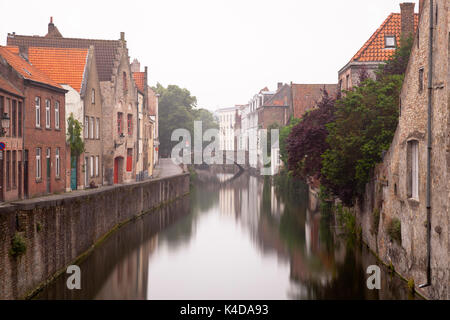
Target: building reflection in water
[{"x": 235, "y": 237}]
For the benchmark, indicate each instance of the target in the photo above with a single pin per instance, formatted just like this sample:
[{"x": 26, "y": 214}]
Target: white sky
[{"x": 223, "y": 51}]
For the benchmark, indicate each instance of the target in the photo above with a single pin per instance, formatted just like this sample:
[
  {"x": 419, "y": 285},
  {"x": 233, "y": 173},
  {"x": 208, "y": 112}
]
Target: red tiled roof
[
  {"x": 25, "y": 69},
  {"x": 13, "y": 49},
  {"x": 374, "y": 49},
  {"x": 65, "y": 66},
  {"x": 139, "y": 79},
  {"x": 105, "y": 50},
  {"x": 9, "y": 87}
]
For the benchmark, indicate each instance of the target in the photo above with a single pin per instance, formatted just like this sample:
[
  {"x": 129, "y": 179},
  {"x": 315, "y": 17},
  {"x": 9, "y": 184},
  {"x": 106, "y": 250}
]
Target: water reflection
[{"x": 241, "y": 238}]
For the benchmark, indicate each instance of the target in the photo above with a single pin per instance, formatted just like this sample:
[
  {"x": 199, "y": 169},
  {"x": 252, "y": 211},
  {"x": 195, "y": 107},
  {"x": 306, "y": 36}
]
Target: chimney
[
  {"x": 407, "y": 16},
  {"x": 135, "y": 66},
  {"x": 122, "y": 36},
  {"x": 51, "y": 26},
  {"x": 280, "y": 84}
]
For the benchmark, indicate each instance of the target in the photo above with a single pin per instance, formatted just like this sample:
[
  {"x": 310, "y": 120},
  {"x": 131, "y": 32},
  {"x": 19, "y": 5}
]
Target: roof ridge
[
  {"x": 63, "y": 38},
  {"x": 372, "y": 38}
]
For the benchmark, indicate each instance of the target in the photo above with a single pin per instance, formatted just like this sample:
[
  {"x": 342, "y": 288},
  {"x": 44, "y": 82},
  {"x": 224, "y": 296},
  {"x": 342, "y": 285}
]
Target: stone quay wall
[{"x": 59, "y": 230}]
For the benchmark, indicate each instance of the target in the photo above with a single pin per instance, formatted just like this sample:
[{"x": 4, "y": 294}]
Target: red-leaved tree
[{"x": 307, "y": 141}]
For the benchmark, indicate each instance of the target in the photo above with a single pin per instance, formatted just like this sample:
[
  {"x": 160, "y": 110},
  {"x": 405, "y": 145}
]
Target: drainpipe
[{"x": 429, "y": 147}]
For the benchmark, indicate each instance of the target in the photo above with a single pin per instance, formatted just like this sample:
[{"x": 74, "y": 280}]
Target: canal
[{"x": 242, "y": 238}]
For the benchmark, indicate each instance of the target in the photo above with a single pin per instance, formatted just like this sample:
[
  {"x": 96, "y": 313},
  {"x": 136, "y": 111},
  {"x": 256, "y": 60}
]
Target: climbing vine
[{"x": 74, "y": 131}]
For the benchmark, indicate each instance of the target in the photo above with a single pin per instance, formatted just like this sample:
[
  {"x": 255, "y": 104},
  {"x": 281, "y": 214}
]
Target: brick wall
[{"x": 61, "y": 228}]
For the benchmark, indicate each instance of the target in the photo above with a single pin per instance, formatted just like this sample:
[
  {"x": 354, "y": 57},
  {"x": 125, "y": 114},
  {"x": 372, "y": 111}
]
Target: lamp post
[{"x": 5, "y": 122}]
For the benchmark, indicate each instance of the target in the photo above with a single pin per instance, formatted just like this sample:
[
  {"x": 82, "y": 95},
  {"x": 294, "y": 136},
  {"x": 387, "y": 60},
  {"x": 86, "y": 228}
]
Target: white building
[{"x": 227, "y": 122}]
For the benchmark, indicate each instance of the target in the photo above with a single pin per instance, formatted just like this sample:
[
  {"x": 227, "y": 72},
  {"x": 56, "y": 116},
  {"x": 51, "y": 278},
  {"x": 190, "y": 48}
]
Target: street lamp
[{"x": 5, "y": 121}]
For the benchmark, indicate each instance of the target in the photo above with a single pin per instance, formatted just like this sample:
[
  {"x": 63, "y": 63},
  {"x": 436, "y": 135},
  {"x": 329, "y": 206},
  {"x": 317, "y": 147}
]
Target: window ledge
[{"x": 38, "y": 180}]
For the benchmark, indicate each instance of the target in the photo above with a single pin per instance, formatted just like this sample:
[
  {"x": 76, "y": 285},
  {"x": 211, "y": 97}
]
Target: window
[
  {"x": 93, "y": 96},
  {"x": 390, "y": 42},
  {"x": 19, "y": 125},
  {"x": 420, "y": 80},
  {"x": 91, "y": 165},
  {"x": 14, "y": 169},
  {"x": 129, "y": 160},
  {"x": 413, "y": 169},
  {"x": 57, "y": 114},
  {"x": 347, "y": 82},
  {"x": 119, "y": 123},
  {"x": 96, "y": 166},
  {"x": 38, "y": 111},
  {"x": 91, "y": 128},
  {"x": 8, "y": 170},
  {"x": 97, "y": 129},
  {"x": 58, "y": 163},
  {"x": 14, "y": 119},
  {"x": 86, "y": 127},
  {"x": 38, "y": 164},
  {"x": 47, "y": 114},
  {"x": 130, "y": 124}
]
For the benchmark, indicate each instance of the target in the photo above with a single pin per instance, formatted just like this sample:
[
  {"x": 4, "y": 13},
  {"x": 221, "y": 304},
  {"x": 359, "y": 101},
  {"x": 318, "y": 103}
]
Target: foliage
[
  {"x": 18, "y": 246},
  {"x": 74, "y": 139},
  {"x": 411, "y": 285},
  {"x": 178, "y": 110},
  {"x": 346, "y": 219},
  {"x": 399, "y": 62},
  {"x": 307, "y": 140},
  {"x": 284, "y": 135},
  {"x": 394, "y": 230},
  {"x": 365, "y": 122}
]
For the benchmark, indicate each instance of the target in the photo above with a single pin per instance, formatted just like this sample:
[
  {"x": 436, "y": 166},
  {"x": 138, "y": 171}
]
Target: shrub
[
  {"x": 18, "y": 246},
  {"x": 394, "y": 230}
]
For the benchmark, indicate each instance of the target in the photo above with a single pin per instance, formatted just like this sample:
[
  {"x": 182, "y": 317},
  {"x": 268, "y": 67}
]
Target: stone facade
[
  {"x": 399, "y": 188},
  {"x": 93, "y": 111},
  {"x": 119, "y": 123}
]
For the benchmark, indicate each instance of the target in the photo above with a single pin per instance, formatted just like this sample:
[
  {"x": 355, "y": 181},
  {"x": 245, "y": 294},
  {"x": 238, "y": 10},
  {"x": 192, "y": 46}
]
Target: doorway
[
  {"x": 73, "y": 172},
  {"x": 118, "y": 170}
]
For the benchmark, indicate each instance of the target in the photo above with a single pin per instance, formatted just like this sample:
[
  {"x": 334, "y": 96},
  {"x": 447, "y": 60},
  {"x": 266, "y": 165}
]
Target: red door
[{"x": 116, "y": 170}]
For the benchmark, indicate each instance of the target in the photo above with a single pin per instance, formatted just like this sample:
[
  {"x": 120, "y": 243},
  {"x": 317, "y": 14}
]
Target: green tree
[
  {"x": 366, "y": 120},
  {"x": 178, "y": 110},
  {"x": 74, "y": 139}
]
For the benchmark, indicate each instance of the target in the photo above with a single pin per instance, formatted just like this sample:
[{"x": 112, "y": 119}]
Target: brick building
[
  {"x": 145, "y": 127},
  {"x": 276, "y": 109},
  {"x": 44, "y": 136},
  {"x": 119, "y": 97},
  {"x": 380, "y": 47},
  {"x": 413, "y": 182},
  {"x": 76, "y": 71},
  {"x": 11, "y": 159},
  {"x": 153, "y": 99},
  {"x": 306, "y": 96}
]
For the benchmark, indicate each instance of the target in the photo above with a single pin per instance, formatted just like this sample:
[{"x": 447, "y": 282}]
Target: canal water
[{"x": 232, "y": 238}]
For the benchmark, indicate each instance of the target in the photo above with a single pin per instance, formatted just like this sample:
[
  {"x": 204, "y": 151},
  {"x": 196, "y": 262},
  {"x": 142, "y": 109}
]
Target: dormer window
[{"x": 390, "y": 42}]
